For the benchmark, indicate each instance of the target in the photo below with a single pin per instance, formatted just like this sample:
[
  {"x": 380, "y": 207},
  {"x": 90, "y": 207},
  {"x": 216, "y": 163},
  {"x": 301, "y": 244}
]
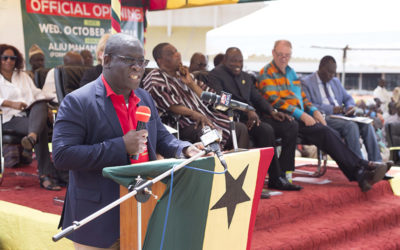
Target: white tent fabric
[{"x": 322, "y": 23}]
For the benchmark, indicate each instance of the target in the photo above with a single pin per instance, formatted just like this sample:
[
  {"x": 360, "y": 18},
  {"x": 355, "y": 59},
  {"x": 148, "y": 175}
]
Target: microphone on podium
[
  {"x": 224, "y": 101},
  {"x": 142, "y": 115},
  {"x": 210, "y": 139}
]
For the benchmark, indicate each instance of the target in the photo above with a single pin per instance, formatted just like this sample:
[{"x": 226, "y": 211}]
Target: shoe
[
  {"x": 47, "y": 183},
  {"x": 27, "y": 154},
  {"x": 374, "y": 164},
  {"x": 265, "y": 194},
  {"x": 371, "y": 174},
  {"x": 283, "y": 184},
  {"x": 28, "y": 143},
  {"x": 387, "y": 177}
]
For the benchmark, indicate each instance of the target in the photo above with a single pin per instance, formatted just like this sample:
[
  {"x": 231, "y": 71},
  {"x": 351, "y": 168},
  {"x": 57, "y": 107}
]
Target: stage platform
[{"x": 334, "y": 215}]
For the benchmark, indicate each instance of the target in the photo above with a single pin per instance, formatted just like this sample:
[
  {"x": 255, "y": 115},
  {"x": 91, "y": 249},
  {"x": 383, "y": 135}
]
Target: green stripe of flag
[
  {"x": 115, "y": 16},
  {"x": 186, "y": 220}
]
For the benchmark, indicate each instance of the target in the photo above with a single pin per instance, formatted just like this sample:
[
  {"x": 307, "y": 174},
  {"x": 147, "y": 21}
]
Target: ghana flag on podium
[{"x": 207, "y": 211}]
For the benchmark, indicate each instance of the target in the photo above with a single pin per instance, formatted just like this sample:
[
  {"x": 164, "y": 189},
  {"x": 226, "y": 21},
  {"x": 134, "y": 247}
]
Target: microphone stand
[
  {"x": 233, "y": 130},
  {"x": 143, "y": 187}
]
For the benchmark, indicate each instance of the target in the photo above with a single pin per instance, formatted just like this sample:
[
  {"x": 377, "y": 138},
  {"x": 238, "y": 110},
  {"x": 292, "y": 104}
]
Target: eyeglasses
[
  {"x": 5, "y": 58},
  {"x": 133, "y": 61},
  {"x": 202, "y": 65},
  {"x": 282, "y": 55}
]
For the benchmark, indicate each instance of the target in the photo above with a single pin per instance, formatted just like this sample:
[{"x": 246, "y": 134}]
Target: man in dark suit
[
  {"x": 229, "y": 77},
  {"x": 96, "y": 128}
]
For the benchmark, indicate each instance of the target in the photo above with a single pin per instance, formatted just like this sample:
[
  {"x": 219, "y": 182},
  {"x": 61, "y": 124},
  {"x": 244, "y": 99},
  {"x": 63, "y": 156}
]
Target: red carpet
[
  {"x": 331, "y": 216},
  {"x": 26, "y": 191}
]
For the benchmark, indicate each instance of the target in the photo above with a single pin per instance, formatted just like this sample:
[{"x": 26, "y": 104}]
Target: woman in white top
[{"x": 25, "y": 111}]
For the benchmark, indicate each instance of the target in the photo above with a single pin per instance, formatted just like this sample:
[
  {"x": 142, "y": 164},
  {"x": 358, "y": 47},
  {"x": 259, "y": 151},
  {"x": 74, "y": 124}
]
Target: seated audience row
[
  {"x": 175, "y": 90},
  {"x": 25, "y": 111}
]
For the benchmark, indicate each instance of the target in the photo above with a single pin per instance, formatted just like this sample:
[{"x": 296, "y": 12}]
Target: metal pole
[
  {"x": 78, "y": 224},
  {"x": 139, "y": 225},
  {"x": 344, "y": 64},
  {"x": 233, "y": 130}
]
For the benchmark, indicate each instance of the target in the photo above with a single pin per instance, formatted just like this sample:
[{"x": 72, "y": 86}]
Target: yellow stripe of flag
[
  {"x": 217, "y": 223},
  {"x": 116, "y": 8}
]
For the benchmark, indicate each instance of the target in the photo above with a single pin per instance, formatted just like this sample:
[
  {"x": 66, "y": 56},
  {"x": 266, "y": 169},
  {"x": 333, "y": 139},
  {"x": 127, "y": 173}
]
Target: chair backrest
[
  {"x": 201, "y": 76},
  {"x": 393, "y": 139},
  {"x": 67, "y": 79},
  {"x": 40, "y": 77}
]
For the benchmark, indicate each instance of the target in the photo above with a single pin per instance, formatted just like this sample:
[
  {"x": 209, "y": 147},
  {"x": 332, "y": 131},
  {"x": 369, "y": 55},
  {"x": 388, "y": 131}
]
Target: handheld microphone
[
  {"x": 142, "y": 115},
  {"x": 224, "y": 101},
  {"x": 210, "y": 139}
]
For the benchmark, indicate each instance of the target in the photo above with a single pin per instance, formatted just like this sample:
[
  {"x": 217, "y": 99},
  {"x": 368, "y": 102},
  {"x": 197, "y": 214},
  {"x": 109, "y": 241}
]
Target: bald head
[
  {"x": 233, "y": 60},
  {"x": 198, "y": 62},
  {"x": 283, "y": 43},
  {"x": 282, "y": 53},
  {"x": 124, "y": 63},
  {"x": 72, "y": 58},
  {"x": 218, "y": 59},
  {"x": 87, "y": 57},
  {"x": 119, "y": 41}
]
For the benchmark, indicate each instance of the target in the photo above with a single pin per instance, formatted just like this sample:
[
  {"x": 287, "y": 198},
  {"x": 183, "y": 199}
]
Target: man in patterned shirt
[
  {"x": 175, "y": 90},
  {"x": 179, "y": 93},
  {"x": 280, "y": 86}
]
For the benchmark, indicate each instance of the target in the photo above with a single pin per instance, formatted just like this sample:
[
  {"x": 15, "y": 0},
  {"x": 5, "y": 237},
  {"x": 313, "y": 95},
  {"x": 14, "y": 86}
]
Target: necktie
[{"x": 328, "y": 95}]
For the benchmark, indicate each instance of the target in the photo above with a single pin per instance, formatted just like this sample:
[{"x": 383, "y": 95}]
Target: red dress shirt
[{"x": 126, "y": 114}]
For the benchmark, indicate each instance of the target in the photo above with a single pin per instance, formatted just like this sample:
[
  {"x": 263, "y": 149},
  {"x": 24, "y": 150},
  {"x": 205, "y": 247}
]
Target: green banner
[{"x": 61, "y": 26}]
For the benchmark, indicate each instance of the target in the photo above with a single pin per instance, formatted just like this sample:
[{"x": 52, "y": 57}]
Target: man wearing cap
[{"x": 36, "y": 60}]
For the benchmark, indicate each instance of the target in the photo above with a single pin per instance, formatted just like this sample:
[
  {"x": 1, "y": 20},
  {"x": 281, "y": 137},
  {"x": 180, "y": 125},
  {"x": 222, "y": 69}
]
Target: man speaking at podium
[{"x": 96, "y": 128}]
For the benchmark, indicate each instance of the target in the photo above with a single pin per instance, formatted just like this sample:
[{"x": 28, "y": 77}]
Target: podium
[
  {"x": 128, "y": 216},
  {"x": 207, "y": 211}
]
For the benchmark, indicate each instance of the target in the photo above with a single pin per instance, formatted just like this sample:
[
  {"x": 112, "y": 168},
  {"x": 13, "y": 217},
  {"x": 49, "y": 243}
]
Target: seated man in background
[
  {"x": 180, "y": 94},
  {"x": 36, "y": 60},
  {"x": 175, "y": 90},
  {"x": 218, "y": 59},
  {"x": 229, "y": 77},
  {"x": 87, "y": 57},
  {"x": 198, "y": 62},
  {"x": 325, "y": 92},
  {"x": 282, "y": 89},
  {"x": 394, "y": 111},
  {"x": 71, "y": 58},
  {"x": 198, "y": 66},
  {"x": 91, "y": 74}
]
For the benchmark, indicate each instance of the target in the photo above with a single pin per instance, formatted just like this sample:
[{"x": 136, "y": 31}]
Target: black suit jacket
[{"x": 242, "y": 88}]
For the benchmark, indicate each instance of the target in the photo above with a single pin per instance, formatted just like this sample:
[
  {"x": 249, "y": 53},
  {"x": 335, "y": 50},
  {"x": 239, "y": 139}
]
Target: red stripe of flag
[
  {"x": 266, "y": 155},
  {"x": 116, "y": 26}
]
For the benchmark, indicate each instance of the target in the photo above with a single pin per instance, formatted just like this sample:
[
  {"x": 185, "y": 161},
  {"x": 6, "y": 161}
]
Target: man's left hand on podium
[{"x": 193, "y": 149}]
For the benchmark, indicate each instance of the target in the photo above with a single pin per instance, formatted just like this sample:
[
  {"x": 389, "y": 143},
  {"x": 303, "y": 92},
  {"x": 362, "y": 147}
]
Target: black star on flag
[{"x": 233, "y": 195}]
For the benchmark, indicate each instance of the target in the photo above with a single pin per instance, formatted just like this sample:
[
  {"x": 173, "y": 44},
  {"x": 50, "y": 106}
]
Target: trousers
[
  {"x": 351, "y": 132},
  {"x": 36, "y": 122},
  {"x": 265, "y": 135},
  {"x": 330, "y": 142}
]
